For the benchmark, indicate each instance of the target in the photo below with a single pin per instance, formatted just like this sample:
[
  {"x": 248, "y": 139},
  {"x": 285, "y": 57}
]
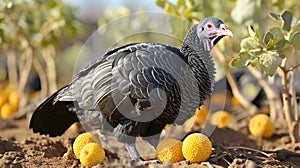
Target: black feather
[{"x": 53, "y": 119}]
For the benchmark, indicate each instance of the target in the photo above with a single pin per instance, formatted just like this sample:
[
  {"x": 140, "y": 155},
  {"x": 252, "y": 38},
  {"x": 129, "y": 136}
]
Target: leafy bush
[
  {"x": 30, "y": 33},
  {"x": 271, "y": 51}
]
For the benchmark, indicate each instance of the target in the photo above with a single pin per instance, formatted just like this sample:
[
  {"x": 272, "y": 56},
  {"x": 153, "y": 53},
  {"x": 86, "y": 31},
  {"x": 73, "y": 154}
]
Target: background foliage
[
  {"x": 33, "y": 33},
  {"x": 274, "y": 51}
]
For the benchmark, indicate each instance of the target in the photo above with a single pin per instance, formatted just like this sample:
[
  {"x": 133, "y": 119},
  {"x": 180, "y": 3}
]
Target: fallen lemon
[
  {"x": 221, "y": 119},
  {"x": 196, "y": 148},
  {"x": 91, "y": 154},
  {"x": 169, "y": 150},
  {"x": 201, "y": 114},
  {"x": 168, "y": 126},
  {"x": 261, "y": 126},
  {"x": 14, "y": 99},
  {"x": 80, "y": 141},
  {"x": 7, "y": 110},
  {"x": 3, "y": 100}
]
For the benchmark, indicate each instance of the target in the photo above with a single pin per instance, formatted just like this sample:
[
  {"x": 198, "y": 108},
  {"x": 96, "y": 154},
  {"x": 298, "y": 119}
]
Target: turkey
[{"x": 136, "y": 89}]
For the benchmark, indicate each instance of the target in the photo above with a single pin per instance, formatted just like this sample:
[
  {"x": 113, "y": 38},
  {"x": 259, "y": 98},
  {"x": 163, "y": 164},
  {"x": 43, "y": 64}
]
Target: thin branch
[
  {"x": 272, "y": 94},
  {"x": 294, "y": 109},
  {"x": 235, "y": 88},
  {"x": 286, "y": 99},
  {"x": 246, "y": 148},
  {"x": 12, "y": 68},
  {"x": 43, "y": 77},
  {"x": 293, "y": 68},
  {"x": 48, "y": 54}
]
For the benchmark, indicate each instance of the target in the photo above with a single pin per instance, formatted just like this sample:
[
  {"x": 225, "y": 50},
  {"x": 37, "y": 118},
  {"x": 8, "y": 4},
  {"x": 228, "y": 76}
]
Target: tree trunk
[
  {"x": 12, "y": 68},
  {"x": 294, "y": 106},
  {"x": 43, "y": 78},
  {"x": 286, "y": 99},
  {"x": 25, "y": 66},
  {"x": 49, "y": 55}
]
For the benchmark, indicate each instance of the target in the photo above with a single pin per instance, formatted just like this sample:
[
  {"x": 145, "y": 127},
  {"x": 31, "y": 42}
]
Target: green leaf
[
  {"x": 281, "y": 45},
  {"x": 279, "y": 3},
  {"x": 251, "y": 31},
  {"x": 268, "y": 36},
  {"x": 274, "y": 16},
  {"x": 277, "y": 33},
  {"x": 161, "y": 3},
  {"x": 275, "y": 39},
  {"x": 277, "y": 44},
  {"x": 287, "y": 17},
  {"x": 249, "y": 44},
  {"x": 180, "y": 3},
  {"x": 170, "y": 8},
  {"x": 295, "y": 40},
  {"x": 269, "y": 61},
  {"x": 243, "y": 60},
  {"x": 51, "y": 4},
  {"x": 188, "y": 4}
]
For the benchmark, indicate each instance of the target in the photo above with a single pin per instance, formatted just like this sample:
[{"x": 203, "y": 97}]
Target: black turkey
[{"x": 136, "y": 89}]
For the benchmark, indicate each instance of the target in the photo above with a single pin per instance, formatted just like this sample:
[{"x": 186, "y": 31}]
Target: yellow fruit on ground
[
  {"x": 14, "y": 99},
  {"x": 221, "y": 119},
  {"x": 196, "y": 148},
  {"x": 168, "y": 126},
  {"x": 201, "y": 114},
  {"x": 261, "y": 126},
  {"x": 91, "y": 154},
  {"x": 3, "y": 100},
  {"x": 80, "y": 141},
  {"x": 169, "y": 150},
  {"x": 7, "y": 110},
  {"x": 4, "y": 94}
]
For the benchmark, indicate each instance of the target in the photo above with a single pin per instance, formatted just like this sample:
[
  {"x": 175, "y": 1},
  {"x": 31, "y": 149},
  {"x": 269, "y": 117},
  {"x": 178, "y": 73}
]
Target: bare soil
[{"x": 19, "y": 147}]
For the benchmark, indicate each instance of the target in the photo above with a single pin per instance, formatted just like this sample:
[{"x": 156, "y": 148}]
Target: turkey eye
[{"x": 209, "y": 26}]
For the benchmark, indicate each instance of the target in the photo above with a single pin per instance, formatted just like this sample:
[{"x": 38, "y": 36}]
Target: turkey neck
[{"x": 196, "y": 52}]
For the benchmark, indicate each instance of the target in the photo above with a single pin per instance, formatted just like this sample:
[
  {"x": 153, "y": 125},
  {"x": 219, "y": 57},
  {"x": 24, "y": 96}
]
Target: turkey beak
[
  {"x": 220, "y": 33},
  {"x": 224, "y": 31}
]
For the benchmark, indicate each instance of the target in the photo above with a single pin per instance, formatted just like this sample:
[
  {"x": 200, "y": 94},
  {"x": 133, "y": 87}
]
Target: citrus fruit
[
  {"x": 3, "y": 100},
  {"x": 80, "y": 141},
  {"x": 261, "y": 126},
  {"x": 169, "y": 150},
  {"x": 196, "y": 148},
  {"x": 14, "y": 99},
  {"x": 91, "y": 154},
  {"x": 7, "y": 110},
  {"x": 221, "y": 119}
]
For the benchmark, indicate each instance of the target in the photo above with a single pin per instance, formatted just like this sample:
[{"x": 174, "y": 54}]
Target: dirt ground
[{"x": 19, "y": 147}]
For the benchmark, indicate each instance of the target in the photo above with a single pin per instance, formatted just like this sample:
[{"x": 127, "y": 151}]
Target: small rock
[
  {"x": 250, "y": 164},
  {"x": 69, "y": 155}
]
